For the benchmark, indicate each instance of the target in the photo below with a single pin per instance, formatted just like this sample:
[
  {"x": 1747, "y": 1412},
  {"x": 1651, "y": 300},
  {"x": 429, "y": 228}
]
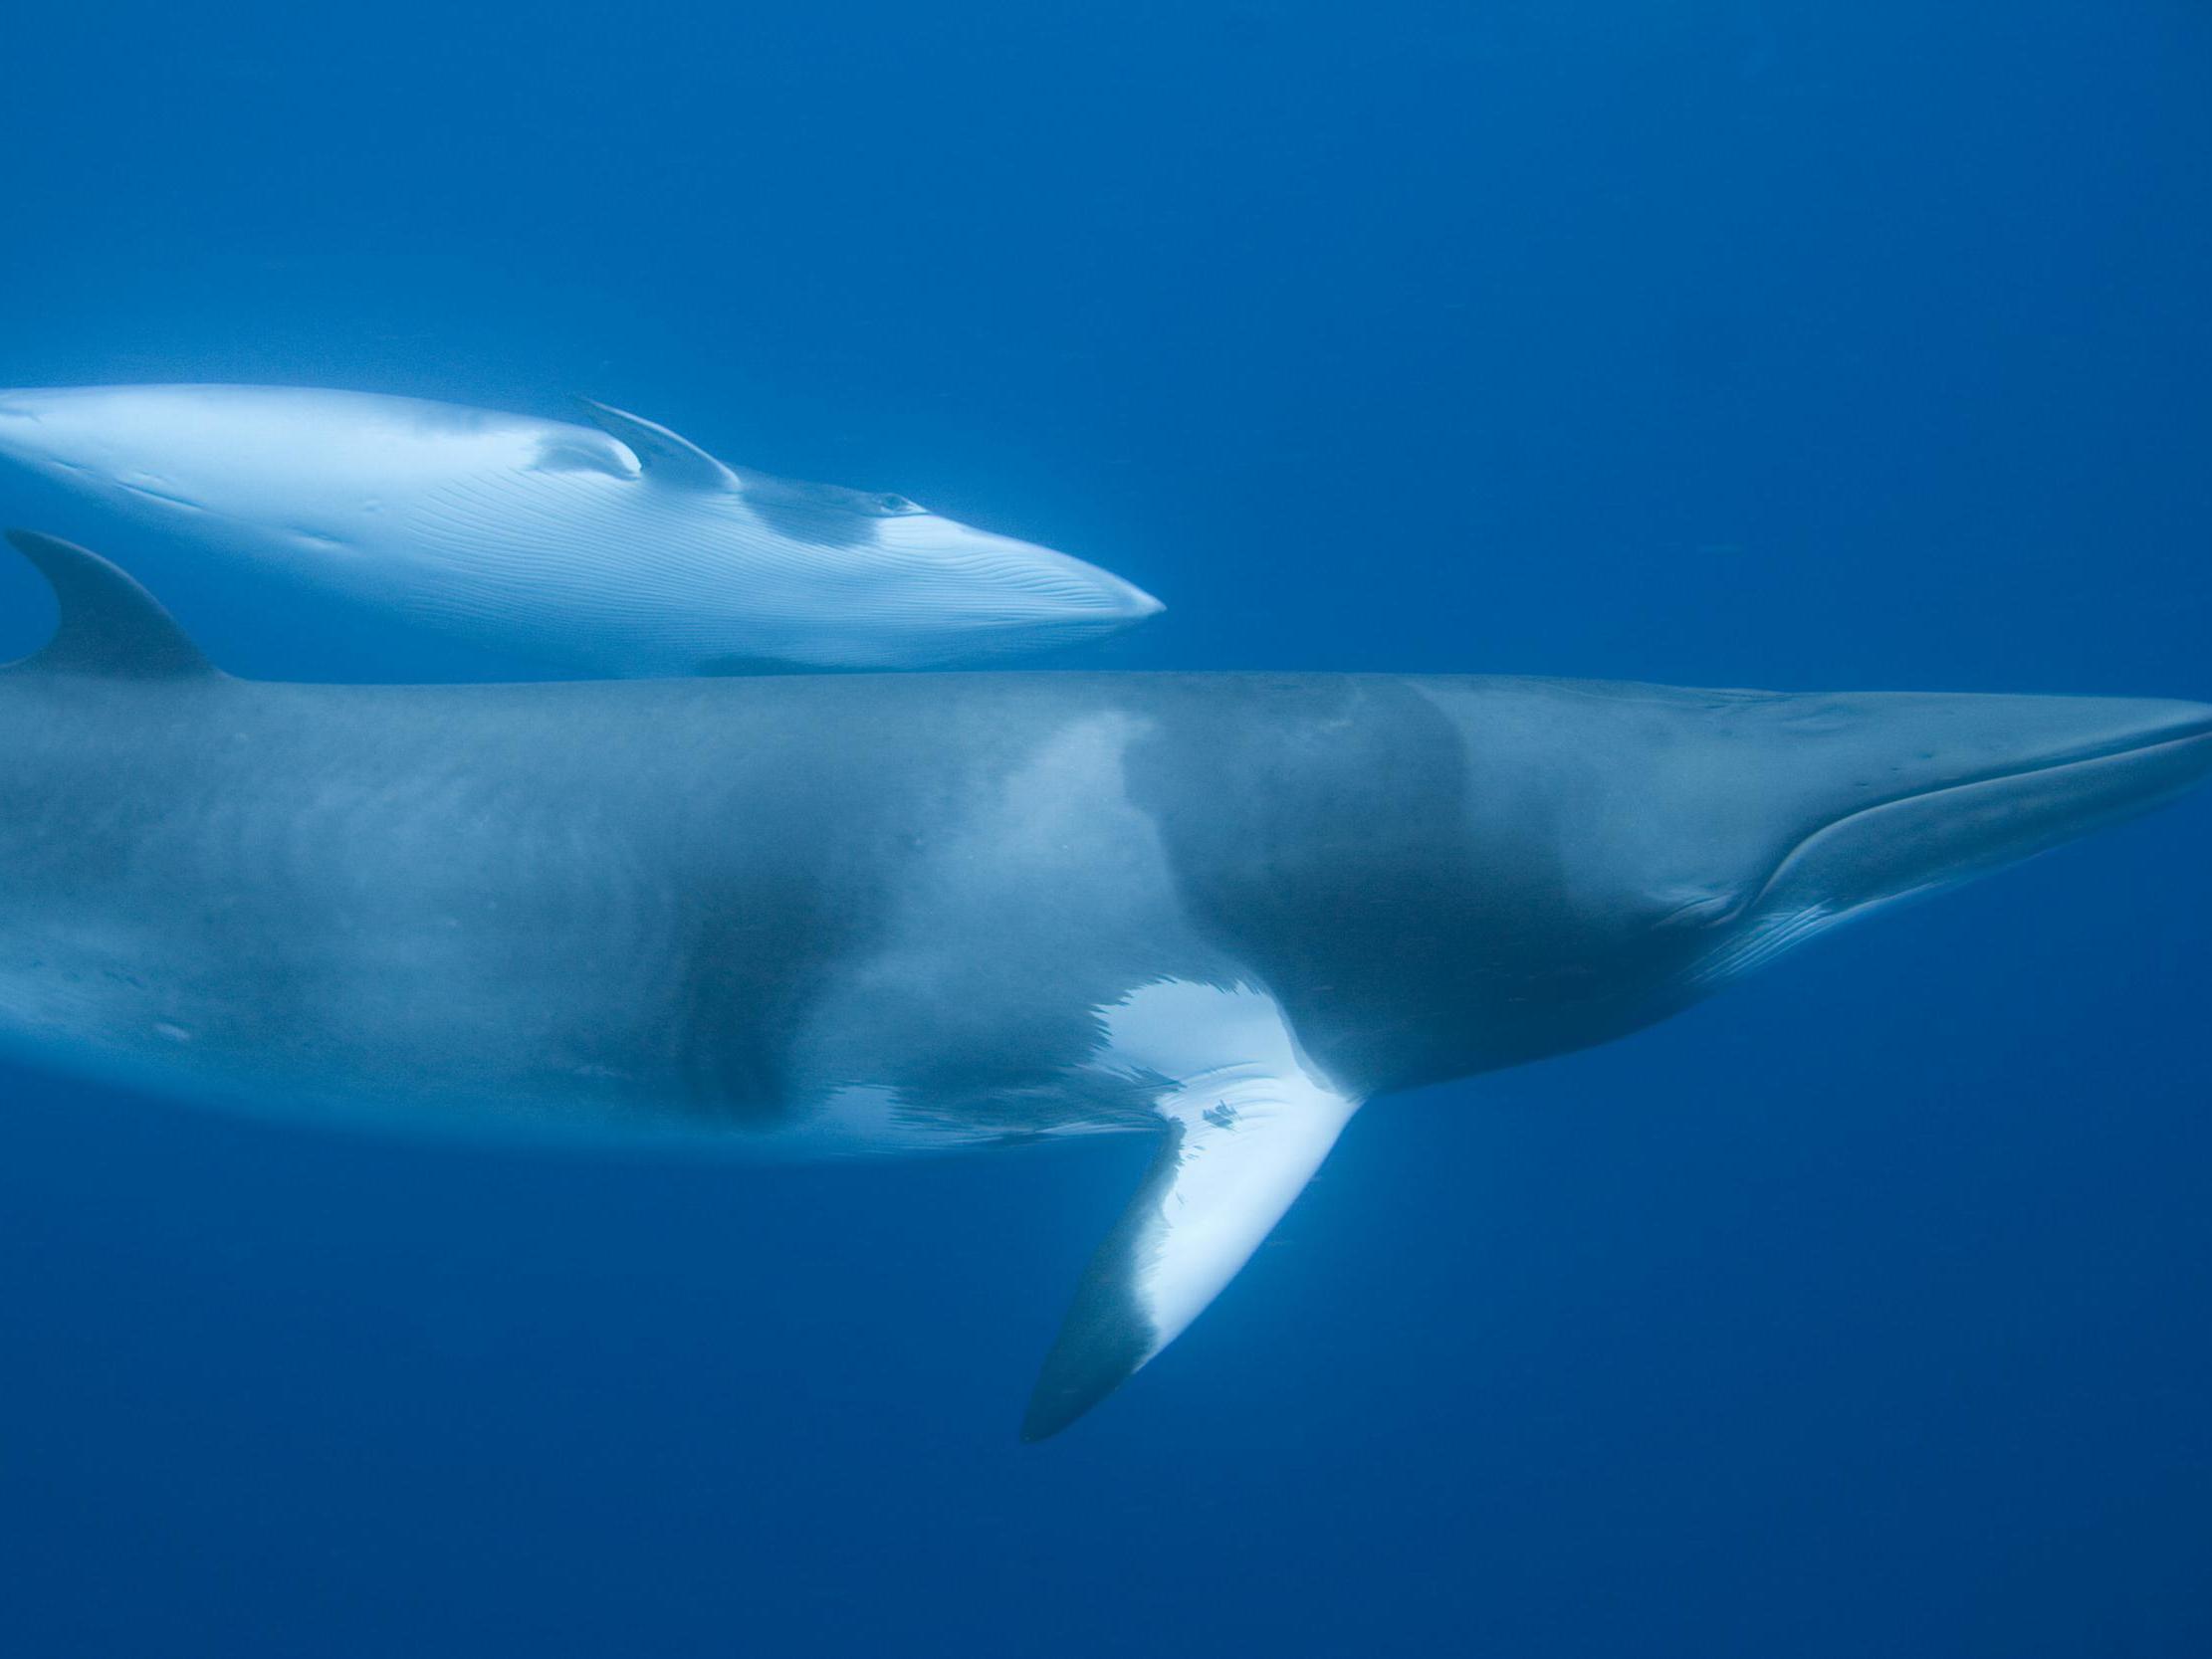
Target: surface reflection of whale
[
  {"x": 617, "y": 549},
  {"x": 858, "y": 912}
]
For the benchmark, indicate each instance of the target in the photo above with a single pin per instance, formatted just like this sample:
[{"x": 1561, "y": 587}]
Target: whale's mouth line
[
  {"x": 1765, "y": 938},
  {"x": 2179, "y": 737}
]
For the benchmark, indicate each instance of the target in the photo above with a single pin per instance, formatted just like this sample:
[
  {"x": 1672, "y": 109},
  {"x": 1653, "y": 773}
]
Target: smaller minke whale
[
  {"x": 825, "y": 914},
  {"x": 616, "y": 548}
]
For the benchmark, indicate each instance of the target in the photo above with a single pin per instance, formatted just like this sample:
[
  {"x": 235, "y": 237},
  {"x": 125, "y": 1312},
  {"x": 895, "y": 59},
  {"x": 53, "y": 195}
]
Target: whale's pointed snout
[
  {"x": 2162, "y": 751},
  {"x": 1843, "y": 804},
  {"x": 1086, "y": 594},
  {"x": 1134, "y": 603},
  {"x": 2179, "y": 723},
  {"x": 1944, "y": 789},
  {"x": 2065, "y": 765},
  {"x": 2172, "y": 751},
  {"x": 2082, "y": 726},
  {"x": 1019, "y": 595}
]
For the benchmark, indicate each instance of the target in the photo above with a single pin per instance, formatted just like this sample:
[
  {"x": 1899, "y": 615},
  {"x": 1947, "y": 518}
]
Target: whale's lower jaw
[{"x": 1926, "y": 841}]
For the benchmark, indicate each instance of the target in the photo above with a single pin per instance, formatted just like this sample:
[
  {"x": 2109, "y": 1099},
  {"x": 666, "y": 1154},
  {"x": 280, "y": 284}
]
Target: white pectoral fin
[{"x": 1242, "y": 1143}]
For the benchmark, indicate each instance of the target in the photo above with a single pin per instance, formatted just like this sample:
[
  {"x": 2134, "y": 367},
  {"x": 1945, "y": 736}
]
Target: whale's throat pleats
[
  {"x": 1249, "y": 1120},
  {"x": 108, "y": 626}
]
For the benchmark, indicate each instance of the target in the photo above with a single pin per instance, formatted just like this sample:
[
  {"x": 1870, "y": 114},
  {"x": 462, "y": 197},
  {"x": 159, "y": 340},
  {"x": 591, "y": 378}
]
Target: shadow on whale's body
[
  {"x": 868, "y": 913},
  {"x": 615, "y": 548}
]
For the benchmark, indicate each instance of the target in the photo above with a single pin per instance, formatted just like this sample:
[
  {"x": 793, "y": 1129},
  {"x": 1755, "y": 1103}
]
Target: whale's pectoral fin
[
  {"x": 1237, "y": 1151},
  {"x": 109, "y": 626},
  {"x": 665, "y": 458}
]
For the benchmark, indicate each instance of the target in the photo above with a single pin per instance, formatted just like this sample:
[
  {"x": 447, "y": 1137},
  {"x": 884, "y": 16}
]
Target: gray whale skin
[{"x": 868, "y": 913}]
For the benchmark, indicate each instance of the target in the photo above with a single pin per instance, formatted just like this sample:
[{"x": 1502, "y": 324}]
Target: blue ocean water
[{"x": 1862, "y": 1311}]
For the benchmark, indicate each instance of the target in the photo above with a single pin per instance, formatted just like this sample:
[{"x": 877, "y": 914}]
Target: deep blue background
[{"x": 1859, "y": 345}]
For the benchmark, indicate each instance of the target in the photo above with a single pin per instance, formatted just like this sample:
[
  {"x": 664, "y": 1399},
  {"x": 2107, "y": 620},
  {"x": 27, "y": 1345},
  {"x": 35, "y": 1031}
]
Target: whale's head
[
  {"x": 1640, "y": 847},
  {"x": 999, "y": 589},
  {"x": 1724, "y": 828},
  {"x": 926, "y": 590},
  {"x": 1862, "y": 802}
]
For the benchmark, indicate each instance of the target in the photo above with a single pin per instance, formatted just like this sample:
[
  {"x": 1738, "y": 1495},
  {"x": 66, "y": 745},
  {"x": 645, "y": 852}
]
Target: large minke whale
[
  {"x": 614, "y": 548},
  {"x": 899, "y": 913}
]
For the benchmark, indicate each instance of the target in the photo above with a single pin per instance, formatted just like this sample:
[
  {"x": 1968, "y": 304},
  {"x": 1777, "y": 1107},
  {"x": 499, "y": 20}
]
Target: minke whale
[
  {"x": 613, "y": 548},
  {"x": 861, "y": 913}
]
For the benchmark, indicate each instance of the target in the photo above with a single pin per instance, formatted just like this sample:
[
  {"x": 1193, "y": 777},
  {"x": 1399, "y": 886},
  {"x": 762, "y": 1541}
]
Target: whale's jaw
[{"x": 2081, "y": 764}]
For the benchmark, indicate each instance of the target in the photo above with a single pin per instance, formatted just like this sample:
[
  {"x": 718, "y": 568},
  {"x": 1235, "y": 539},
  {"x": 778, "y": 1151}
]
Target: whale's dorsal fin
[
  {"x": 110, "y": 625},
  {"x": 666, "y": 458},
  {"x": 1246, "y": 1129}
]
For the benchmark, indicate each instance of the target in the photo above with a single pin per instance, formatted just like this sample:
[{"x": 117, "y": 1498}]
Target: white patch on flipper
[
  {"x": 1180, "y": 1030},
  {"x": 1250, "y": 1120},
  {"x": 1255, "y": 1117}
]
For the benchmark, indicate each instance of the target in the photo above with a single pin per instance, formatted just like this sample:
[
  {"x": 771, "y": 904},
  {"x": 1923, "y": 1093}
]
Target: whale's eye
[{"x": 894, "y": 505}]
